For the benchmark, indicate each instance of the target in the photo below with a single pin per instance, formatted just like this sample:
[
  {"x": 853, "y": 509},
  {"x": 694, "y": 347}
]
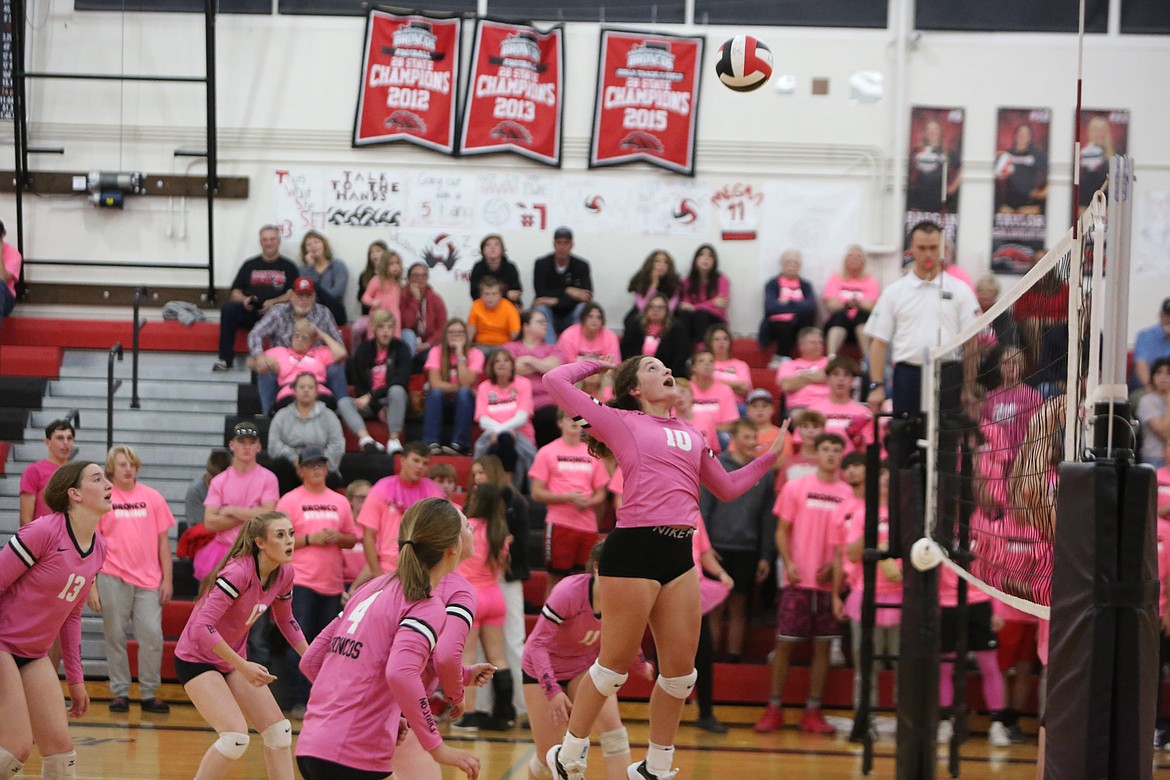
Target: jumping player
[
  {"x": 646, "y": 565},
  {"x": 227, "y": 689},
  {"x": 46, "y": 571},
  {"x": 383, "y": 639}
]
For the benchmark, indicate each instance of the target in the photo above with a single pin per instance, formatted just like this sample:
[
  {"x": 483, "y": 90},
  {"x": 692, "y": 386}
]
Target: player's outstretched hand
[
  {"x": 460, "y": 759},
  {"x": 781, "y": 438},
  {"x": 79, "y": 698}
]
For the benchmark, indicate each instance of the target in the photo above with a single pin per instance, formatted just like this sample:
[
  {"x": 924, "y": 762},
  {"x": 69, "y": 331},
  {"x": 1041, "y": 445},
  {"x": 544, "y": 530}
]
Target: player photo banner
[
  {"x": 1019, "y": 228},
  {"x": 934, "y": 169},
  {"x": 410, "y": 70},
  {"x": 647, "y": 100},
  {"x": 1104, "y": 133},
  {"x": 515, "y": 93}
]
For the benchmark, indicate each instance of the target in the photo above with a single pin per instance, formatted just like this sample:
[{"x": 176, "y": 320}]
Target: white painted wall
[{"x": 287, "y": 93}]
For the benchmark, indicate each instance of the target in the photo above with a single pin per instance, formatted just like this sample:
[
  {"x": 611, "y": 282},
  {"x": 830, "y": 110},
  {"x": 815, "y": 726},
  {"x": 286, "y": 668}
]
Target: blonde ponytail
[{"x": 429, "y": 528}]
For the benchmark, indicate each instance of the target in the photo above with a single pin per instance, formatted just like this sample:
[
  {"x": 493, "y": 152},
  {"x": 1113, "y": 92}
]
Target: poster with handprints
[{"x": 318, "y": 199}]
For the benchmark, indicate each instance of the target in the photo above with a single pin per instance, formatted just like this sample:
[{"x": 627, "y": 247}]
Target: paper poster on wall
[
  {"x": 1020, "y": 226},
  {"x": 449, "y": 255},
  {"x": 1152, "y": 242},
  {"x": 674, "y": 207},
  {"x": 440, "y": 199},
  {"x": 514, "y": 93},
  {"x": 595, "y": 204},
  {"x": 934, "y": 169},
  {"x": 647, "y": 100},
  {"x": 1104, "y": 133},
  {"x": 410, "y": 70},
  {"x": 819, "y": 219},
  {"x": 738, "y": 206},
  {"x": 312, "y": 198},
  {"x": 514, "y": 202}
]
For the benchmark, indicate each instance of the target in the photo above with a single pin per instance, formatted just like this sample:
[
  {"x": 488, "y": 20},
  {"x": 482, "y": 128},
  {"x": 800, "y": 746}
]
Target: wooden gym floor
[{"x": 166, "y": 747}]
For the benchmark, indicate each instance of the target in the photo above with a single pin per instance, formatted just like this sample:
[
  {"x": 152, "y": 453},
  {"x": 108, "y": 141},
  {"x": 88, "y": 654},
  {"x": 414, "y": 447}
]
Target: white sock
[
  {"x": 659, "y": 759},
  {"x": 574, "y": 748},
  {"x": 9, "y": 766}
]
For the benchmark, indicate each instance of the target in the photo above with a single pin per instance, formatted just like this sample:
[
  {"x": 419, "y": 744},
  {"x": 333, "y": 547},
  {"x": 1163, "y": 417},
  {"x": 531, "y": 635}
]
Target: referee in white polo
[{"x": 921, "y": 310}]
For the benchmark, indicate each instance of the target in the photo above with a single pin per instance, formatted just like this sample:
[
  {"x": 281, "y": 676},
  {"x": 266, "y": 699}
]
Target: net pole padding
[
  {"x": 1104, "y": 640},
  {"x": 917, "y": 749}
]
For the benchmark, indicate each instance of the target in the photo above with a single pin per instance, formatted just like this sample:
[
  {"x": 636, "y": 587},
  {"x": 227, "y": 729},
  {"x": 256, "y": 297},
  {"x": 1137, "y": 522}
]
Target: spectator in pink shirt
[
  {"x": 729, "y": 370},
  {"x": 453, "y": 370},
  {"x": 705, "y": 293},
  {"x": 713, "y": 403},
  {"x": 10, "y": 263},
  {"x": 322, "y": 528},
  {"x": 657, "y": 276},
  {"x": 503, "y": 408},
  {"x": 790, "y": 305},
  {"x": 811, "y": 541},
  {"x": 849, "y": 296},
  {"x": 135, "y": 581},
  {"x": 59, "y": 443},
  {"x": 845, "y": 416},
  {"x": 589, "y": 339},
  {"x": 802, "y": 379},
  {"x": 657, "y": 333},
  {"x": 303, "y": 358},
  {"x": 383, "y": 292},
  {"x": 534, "y": 356}
]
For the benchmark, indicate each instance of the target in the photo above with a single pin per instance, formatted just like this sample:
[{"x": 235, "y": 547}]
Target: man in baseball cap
[{"x": 563, "y": 283}]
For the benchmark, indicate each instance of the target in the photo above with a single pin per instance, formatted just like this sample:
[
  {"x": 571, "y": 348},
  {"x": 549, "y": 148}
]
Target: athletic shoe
[
  {"x": 435, "y": 448},
  {"x": 711, "y": 724},
  {"x": 1017, "y": 735},
  {"x": 945, "y": 732},
  {"x": 564, "y": 770},
  {"x": 221, "y": 365},
  {"x": 471, "y": 721},
  {"x": 497, "y": 723},
  {"x": 393, "y": 446},
  {"x": 771, "y": 720},
  {"x": 453, "y": 449},
  {"x": 155, "y": 705},
  {"x": 1161, "y": 739},
  {"x": 640, "y": 772},
  {"x": 369, "y": 445},
  {"x": 836, "y": 654},
  {"x": 997, "y": 735},
  {"x": 814, "y": 722},
  {"x": 120, "y": 704}
]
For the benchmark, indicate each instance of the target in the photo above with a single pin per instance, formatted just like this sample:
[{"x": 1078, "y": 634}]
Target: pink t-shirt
[
  {"x": 851, "y": 513},
  {"x": 540, "y": 352},
  {"x": 713, "y": 407},
  {"x": 662, "y": 458},
  {"x": 565, "y": 468},
  {"x": 1163, "y": 477},
  {"x": 390, "y": 296},
  {"x": 367, "y": 669},
  {"x": 712, "y": 592},
  {"x": 566, "y": 638},
  {"x": 852, "y": 421},
  {"x": 733, "y": 371},
  {"x": 12, "y": 261},
  {"x": 810, "y": 505},
  {"x": 33, "y": 481},
  {"x": 228, "y": 610},
  {"x": 382, "y": 512},
  {"x": 1163, "y": 532},
  {"x": 574, "y": 346},
  {"x": 476, "y": 569},
  {"x": 810, "y": 393},
  {"x": 793, "y": 468},
  {"x": 248, "y": 489},
  {"x": 948, "y": 589},
  {"x": 131, "y": 529},
  {"x": 319, "y": 567},
  {"x": 1010, "y": 410},
  {"x": 845, "y": 290},
  {"x": 474, "y": 363},
  {"x": 316, "y": 362},
  {"x": 790, "y": 292},
  {"x": 44, "y": 580},
  {"x": 502, "y": 403}
]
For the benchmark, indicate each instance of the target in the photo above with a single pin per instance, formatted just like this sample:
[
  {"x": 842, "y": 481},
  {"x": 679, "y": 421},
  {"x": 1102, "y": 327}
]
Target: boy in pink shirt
[
  {"x": 59, "y": 443},
  {"x": 810, "y": 539},
  {"x": 809, "y": 425},
  {"x": 713, "y": 403},
  {"x": 844, "y": 416},
  {"x": 322, "y": 527},
  {"x": 382, "y": 512},
  {"x": 571, "y": 483},
  {"x": 802, "y": 379},
  {"x": 135, "y": 580}
]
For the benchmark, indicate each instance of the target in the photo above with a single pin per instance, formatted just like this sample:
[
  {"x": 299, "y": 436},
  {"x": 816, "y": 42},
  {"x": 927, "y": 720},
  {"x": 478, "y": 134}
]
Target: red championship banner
[
  {"x": 647, "y": 100},
  {"x": 515, "y": 94},
  {"x": 410, "y": 70}
]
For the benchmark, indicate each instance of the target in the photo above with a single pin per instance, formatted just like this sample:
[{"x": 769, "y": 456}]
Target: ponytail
[
  {"x": 429, "y": 528},
  {"x": 486, "y": 502},
  {"x": 244, "y": 545}
]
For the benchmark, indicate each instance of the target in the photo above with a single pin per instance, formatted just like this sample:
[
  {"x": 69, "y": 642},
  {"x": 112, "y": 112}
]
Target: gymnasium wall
[{"x": 287, "y": 89}]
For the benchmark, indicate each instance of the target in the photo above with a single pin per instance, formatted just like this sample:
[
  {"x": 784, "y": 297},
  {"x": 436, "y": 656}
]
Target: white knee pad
[
  {"x": 278, "y": 735},
  {"x": 679, "y": 687},
  {"x": 615, "y": 743},
  {"x": 607, "y": 681},
  {"x": 9, "y": 766},
  {"x": 539, "y": 770},
  {"x": 232, "y": 744},
  {"x": 59, "y": 766}
]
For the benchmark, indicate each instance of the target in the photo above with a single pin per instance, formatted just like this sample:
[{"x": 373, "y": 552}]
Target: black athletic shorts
[
  {"x": 527, "y": 679},
  {"x": 741, "y": 565},
  {"x": 187, "y": 671},
  {"x": 659, "y": 552},
  {"x": 320, "y": 769},
  {"x": 22, "y": 662},
  {"x": 979, "y": 633}
]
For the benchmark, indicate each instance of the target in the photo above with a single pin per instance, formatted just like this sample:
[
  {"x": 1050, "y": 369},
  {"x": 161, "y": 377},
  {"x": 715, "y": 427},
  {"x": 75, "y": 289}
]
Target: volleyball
[{"x": 744, "y": 63}]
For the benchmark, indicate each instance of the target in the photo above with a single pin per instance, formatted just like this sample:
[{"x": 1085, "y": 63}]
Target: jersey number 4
[
  {"x": 72, "y": 588},
  {"x": 678, "y": 439},
  {"x": 359, "y": 612}
]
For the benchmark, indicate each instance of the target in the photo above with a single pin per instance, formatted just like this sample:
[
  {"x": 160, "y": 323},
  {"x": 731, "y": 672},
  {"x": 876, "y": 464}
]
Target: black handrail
[
  {"x": 112, "y": 386},
  {"x": 138, "y": 325}
]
